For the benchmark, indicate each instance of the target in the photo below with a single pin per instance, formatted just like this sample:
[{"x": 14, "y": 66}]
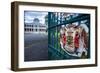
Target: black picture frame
[{"x": 15, "y": 33}]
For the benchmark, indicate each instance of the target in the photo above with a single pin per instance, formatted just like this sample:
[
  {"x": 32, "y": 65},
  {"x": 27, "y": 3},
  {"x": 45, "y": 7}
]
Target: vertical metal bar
[
  {"x": 57, "y": 31},
  {"x": 48, "y": 29}
]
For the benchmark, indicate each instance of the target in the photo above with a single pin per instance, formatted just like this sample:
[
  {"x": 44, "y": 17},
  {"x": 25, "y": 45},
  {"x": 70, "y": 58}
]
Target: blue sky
[{"x": 30, "y": 15}]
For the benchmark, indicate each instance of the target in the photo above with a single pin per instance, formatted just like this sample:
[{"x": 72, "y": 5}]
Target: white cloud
[{"x": 30, "y": 15}]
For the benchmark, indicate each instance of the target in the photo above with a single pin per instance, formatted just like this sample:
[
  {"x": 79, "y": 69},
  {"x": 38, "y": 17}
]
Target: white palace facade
[{"x": 35, "y": 27}]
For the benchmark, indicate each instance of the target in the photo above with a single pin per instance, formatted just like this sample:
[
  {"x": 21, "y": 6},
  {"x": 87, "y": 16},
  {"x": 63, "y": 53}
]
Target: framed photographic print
[{"x": 52, "y": 36}]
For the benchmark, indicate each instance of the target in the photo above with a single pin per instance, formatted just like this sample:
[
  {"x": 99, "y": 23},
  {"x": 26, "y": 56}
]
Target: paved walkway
[{"x": 36, "y": 47}]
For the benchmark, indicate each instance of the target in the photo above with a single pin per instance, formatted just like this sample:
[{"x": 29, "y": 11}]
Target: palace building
[{"x": 35, "y": 27}]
